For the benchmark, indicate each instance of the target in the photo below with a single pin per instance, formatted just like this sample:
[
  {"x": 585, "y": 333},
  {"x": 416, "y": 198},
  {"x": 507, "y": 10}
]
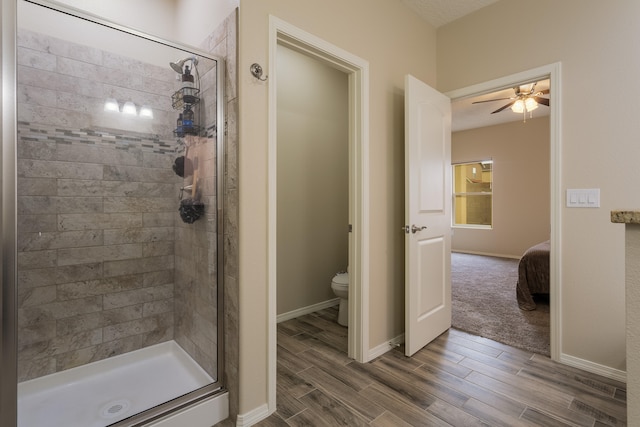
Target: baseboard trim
[
  {"x": 252, "y": 417},
  {"x": 384, "y": 347},
  {"x": 595, "y": 368},
  {"x": 486, "y": 254},
  {"x": 306, "y": 310}
]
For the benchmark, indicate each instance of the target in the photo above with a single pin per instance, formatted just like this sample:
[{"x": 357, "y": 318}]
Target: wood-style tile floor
[{"x": 457, "y": 380}]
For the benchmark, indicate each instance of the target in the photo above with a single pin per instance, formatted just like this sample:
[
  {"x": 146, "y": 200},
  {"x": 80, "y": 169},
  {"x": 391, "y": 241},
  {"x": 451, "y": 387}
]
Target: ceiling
[{"x": 465, "y": 114}]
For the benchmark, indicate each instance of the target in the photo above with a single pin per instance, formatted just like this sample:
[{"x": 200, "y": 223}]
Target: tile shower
[{"x": 106, "y": 266}]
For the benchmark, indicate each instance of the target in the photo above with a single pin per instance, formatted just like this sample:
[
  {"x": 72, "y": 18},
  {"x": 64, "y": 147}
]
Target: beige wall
[
  {"x": 313, "y": 179},
  {"x": 599, "y": 149},
  {"x": 395, "y": 42},
  {"x": 521, "y": 192}
]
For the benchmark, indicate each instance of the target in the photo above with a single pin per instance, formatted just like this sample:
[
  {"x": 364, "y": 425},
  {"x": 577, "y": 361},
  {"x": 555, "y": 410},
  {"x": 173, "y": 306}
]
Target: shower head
[{"x": 177, "y": 66}]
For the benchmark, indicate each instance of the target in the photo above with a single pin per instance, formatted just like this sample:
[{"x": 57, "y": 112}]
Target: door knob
[{"x": 415, "y": 229}]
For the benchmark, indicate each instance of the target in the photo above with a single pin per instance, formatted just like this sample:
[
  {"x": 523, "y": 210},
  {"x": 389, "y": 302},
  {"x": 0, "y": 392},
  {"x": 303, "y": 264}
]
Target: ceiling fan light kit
[{"x": 525, "y": 100}]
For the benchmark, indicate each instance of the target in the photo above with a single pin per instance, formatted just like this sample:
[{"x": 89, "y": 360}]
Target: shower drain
[{"x": 115, "y": 408}]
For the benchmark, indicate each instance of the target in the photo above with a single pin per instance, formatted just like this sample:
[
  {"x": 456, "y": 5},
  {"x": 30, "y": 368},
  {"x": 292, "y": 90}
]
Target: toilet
[{"x": 340, "y": 287}]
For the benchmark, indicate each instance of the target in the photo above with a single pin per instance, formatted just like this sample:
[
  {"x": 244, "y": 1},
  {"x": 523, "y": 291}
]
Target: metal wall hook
[{"x": 256, "y": 70}]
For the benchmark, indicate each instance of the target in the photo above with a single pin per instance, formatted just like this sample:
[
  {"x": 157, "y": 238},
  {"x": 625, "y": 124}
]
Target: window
[{"x": 473, "y": 194}]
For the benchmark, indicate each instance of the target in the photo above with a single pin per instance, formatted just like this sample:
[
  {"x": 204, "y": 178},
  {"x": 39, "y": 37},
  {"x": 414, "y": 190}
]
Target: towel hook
[{"x": 256, "y": 70}]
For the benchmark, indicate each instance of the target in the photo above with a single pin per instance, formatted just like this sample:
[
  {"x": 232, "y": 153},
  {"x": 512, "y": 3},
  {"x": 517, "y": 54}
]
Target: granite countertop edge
[{"x": 626, "y": 217}]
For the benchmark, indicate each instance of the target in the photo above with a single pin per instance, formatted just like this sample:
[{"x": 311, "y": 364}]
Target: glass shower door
[{"x": 119, "y": 224}]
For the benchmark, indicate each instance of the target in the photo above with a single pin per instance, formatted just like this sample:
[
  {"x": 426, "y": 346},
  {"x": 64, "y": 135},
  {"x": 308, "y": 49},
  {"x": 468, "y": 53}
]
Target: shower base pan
[{"x": 104, "y": 392}]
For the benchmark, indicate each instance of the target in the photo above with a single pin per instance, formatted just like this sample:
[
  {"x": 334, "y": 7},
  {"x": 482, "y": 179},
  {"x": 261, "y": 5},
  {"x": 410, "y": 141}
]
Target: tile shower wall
[{"x": 96, "y": 208}]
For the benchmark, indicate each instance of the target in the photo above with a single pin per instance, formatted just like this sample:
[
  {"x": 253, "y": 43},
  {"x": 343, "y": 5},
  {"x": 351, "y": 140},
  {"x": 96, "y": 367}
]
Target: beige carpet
[{"x": 484, "y": 303}]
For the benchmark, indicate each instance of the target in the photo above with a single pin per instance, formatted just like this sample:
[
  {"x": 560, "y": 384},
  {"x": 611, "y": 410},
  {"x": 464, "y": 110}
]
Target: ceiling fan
[{"x": 526, "y": 99}]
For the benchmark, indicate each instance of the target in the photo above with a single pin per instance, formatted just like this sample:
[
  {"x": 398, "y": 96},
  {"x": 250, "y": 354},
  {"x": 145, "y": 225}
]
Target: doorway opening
[
  {"x": 283, "y": 34},
  {"x": 551, "y": 72}
]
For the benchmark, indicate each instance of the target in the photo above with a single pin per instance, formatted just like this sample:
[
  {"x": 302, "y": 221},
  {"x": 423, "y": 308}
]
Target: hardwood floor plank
[
  {"x": 498, "y": 401},
  {"x": 614, "y": 409},
  {"x": 453, "y": 415},
  {"x": 338, "y": 342},
  {"x": 541, "y": 399},
  {"x": 409, "y": 413},
  {"x": 477, "y": 356},
  {"x": 596, "y": 413},
  {"x": 329, "y": 313},
  {"x": 570, "y": 370},
  {"x": 543, "y": 420},
  {"x": 286, "y": 405},
  {"x": 518, "y": 388},
  {"x": 422, "y": 382},
  {"x": 492, "y": 417},
  {"x": 295, "y": 385},
  {"x": 305, "y": 419},
  {"x": 432, "y": 359},
  {"x": 330, "y": 410},
  {"x": 494, "y": 344},
  {"x": 342, "y": 392},
  {"x": 389, "y": 420},
  {"x": 273, "y": 421},
  {"x": 578, "y": 382},
  {"x": 411, "y": 392},
  {"x": 409, "y": 363},
  {"x": 329, "y": 351},
  {"x": 292, "y": 344},
  {"x": 304, "y": 327},
  {"x": 442, "y": 352},
  {"x": 474, "y": 345},
  {"x": 328, "y": 324},
  {"x": 515, "y": 357},
  {"x": 572, "y": 384},
  {"x": 291, "y": 361},
  {"x": 343, "y": 373}
]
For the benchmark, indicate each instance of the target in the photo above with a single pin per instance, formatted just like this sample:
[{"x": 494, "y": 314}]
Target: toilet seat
[{"x": 341, "y": 280}]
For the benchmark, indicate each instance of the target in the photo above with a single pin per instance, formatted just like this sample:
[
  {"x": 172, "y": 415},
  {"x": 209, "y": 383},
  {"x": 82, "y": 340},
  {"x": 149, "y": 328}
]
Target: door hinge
[{"x": 350, "y": 228}]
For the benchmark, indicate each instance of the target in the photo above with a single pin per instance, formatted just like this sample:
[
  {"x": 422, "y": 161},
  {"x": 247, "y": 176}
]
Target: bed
[{"x": 533, "y": 275}]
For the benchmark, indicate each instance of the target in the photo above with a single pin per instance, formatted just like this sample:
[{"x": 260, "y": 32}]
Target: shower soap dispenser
[
  {"x": 187, "y": 120},
  {"x": 188, "y": 88},
  {"x": 179, "y": 126}
]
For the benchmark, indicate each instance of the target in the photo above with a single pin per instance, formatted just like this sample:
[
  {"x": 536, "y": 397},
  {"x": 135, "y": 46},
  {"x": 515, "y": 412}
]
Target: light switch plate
[{"x": 583, "y": 197}]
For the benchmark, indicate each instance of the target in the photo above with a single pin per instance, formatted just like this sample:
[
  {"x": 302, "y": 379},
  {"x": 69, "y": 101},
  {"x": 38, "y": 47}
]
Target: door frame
[
  {"x": 357, "y": 70},
  {"x": 552, "y": 71}
]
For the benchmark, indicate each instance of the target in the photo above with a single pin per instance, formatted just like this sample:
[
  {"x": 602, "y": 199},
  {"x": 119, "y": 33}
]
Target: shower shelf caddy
[{"x": 183, "y": 97}]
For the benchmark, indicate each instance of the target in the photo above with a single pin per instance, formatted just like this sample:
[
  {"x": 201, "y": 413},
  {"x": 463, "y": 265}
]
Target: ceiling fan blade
[
  {"x": 490, "y": 100},
  {"x": 543, "y": 101},
  {"x": 503, "y": 107}
]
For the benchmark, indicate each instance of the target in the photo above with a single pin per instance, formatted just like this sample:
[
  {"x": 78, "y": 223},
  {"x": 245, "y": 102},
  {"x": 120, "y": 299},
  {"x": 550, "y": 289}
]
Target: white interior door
[{"x": 427, "y": 214}]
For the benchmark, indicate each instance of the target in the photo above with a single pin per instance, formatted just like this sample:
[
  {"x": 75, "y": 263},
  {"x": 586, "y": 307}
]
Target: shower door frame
[{"x": 8, "y": 212}]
